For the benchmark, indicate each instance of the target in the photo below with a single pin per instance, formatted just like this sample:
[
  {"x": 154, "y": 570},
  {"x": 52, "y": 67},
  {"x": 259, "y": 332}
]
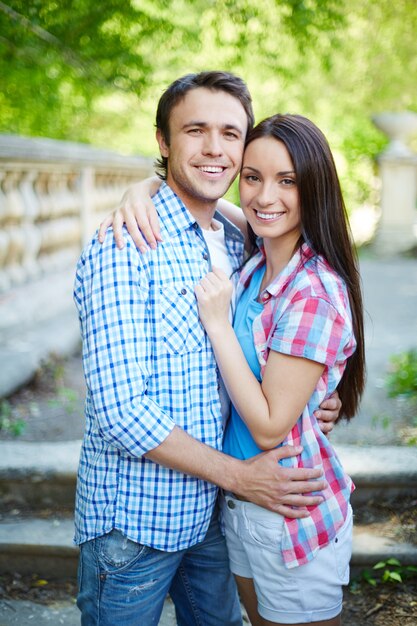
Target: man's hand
[
  {"x": 328, "y": 413},
  {"x": 137, "y": 212},
  {"x": 259, "y": 479},
  {"x": 263, "y": 481}
]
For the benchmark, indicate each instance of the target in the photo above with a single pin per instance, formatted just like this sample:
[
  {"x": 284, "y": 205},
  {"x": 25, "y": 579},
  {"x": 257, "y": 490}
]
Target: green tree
[{"x": 93, "y": 71}]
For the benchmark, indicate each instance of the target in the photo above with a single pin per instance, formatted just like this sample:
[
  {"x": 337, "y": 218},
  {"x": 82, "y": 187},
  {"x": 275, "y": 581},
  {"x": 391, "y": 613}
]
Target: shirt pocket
[{"x": 182, "y": 331}]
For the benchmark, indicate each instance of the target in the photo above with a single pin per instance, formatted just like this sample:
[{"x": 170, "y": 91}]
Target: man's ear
[{"x": 163, "y": 148}]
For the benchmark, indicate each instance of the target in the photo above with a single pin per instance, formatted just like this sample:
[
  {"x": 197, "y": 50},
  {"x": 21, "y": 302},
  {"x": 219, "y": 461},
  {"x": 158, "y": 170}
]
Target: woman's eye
[
  {"x": 251, "y": 178},
  {"x": 288, "y": 181}
]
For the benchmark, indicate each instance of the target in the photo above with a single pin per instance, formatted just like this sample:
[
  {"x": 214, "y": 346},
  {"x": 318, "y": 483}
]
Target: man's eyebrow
[{"x": 201, "y": 124}]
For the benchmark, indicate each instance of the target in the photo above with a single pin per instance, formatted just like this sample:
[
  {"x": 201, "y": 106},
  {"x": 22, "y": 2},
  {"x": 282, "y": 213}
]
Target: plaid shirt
[
  {"x": 148, "y": 366},
  {"x": 306, "y": 313}
]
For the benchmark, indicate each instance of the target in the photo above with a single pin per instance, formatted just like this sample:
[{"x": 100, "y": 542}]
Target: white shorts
[{"x": 308, "y": 593}]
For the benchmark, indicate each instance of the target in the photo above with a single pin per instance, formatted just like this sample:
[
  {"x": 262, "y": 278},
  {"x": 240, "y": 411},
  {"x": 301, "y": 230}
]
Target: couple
[{"x": 147, "y": 517}]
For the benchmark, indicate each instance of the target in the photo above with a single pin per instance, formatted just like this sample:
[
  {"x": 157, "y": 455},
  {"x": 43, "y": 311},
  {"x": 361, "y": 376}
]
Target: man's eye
[
  {"x": 195, "y": 131},
  {"x": 230, "y": 135}
]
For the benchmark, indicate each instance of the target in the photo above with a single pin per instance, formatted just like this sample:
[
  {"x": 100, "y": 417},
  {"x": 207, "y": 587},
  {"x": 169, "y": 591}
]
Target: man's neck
[{"x": 202, "y": 211}]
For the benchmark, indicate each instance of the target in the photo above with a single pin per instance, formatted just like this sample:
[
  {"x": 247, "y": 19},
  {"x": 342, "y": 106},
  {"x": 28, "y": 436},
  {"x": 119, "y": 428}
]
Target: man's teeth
[
  {"x": 267, "y": 216},
  {"x": 211, "y": 169}
]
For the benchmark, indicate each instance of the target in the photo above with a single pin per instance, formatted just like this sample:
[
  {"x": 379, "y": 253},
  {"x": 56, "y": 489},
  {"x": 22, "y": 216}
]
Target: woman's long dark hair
[{"x": 325, "y": 226}]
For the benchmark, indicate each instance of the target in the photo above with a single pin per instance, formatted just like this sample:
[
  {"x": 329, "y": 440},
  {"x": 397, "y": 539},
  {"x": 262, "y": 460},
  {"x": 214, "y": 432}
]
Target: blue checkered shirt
[{"x": 148, "y": 366}]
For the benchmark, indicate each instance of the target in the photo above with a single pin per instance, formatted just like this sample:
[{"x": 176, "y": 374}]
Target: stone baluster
[
  {"x": 13, "y": 216},
  {"x": 4, "y": 239},
  {"x": 29, "y": 226}
]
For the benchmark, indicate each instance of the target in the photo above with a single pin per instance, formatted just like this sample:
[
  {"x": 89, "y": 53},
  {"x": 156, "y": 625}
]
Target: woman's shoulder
[
  {"x": 316, "y": 282},
  {"x": 321, "y": 279}
]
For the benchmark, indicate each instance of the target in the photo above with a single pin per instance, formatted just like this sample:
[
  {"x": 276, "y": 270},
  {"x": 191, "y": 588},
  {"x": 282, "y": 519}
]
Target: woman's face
[{"x": 268, "y": 191}]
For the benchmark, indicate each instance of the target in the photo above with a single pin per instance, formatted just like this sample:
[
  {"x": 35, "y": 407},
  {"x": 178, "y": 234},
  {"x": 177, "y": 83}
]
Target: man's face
[{"x": 207, "y": 135}]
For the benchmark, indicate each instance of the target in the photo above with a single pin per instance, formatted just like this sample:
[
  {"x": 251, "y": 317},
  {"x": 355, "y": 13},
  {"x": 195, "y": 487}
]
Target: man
[{"x": 150, "y": 463}]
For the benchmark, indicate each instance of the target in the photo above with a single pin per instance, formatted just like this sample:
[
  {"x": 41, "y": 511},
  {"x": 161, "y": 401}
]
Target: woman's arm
[
  {"x": 137, "y": 212},
  {"x": 235, "y": 215},
  {"x": 271, "y": 408}
]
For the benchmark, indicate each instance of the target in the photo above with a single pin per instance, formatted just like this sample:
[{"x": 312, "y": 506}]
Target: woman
[
  {"x": 296, "y": 328},
  {"x": 297, "y": 337}
]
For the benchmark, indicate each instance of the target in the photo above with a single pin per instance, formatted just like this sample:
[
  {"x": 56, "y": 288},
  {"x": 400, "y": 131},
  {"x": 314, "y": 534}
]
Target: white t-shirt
[{"x": 219, "y": 258}]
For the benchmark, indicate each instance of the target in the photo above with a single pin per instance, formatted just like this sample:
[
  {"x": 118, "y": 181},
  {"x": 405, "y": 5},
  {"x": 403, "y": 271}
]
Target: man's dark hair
[{"x": 216, "y": 81}]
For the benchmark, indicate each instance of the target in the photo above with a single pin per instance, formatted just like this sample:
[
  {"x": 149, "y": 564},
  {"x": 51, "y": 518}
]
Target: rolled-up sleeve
[
  {"x": 312, "y": 328},
  {"x": 112, "y": 297}
]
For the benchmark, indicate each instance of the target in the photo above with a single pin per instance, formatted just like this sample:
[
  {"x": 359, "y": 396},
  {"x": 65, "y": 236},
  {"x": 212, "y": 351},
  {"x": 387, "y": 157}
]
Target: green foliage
[
  {"x": 402, "y": 378},
  {"x": 93, "y": 71},
  {"x": 8, "y": 423},
  {"x": 67, "y": 398},
  {"x": 389, "y": 571}
]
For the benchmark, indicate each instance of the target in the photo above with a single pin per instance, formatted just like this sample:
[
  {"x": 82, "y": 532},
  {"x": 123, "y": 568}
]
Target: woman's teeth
[{"x": 267, "y": 216}]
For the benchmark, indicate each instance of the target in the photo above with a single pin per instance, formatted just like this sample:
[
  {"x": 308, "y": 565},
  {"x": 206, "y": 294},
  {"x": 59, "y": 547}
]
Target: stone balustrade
[{"x": 53, "y": 195}]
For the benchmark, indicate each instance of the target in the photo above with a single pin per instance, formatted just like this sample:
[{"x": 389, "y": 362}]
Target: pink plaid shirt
[{"x": 306, "y": 313}]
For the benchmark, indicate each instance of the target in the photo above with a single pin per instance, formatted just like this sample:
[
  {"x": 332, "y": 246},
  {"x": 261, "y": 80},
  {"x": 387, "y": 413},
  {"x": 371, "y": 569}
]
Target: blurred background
[{"x": 90, "y": 71}]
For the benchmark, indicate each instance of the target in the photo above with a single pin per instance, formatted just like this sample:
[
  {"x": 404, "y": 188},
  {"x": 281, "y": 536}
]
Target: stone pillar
[{"x": 397, "y": 228}]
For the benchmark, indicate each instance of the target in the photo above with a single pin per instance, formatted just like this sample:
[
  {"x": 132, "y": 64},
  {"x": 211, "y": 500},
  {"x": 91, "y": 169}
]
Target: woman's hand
[
  {"x": 214, "y": 293},
  {"x": 137, "y": 211}
]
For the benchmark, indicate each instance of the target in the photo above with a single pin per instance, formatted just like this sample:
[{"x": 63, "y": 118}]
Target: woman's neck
[{"x": 278, "y": 255}]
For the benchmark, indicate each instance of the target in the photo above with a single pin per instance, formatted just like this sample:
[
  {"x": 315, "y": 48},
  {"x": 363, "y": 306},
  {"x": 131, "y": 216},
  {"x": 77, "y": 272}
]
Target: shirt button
[
  {"x": 205, "y": 256},
  {"x": 183, "y": 292},
  {"x": 195, "y": 226},
  {"x": 231, "y": 504},
  {"x": 265, "y": 297}
]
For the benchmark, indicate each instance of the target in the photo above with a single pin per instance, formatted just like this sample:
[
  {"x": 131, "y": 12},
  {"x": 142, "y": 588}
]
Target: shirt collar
[
  {"x": 302, "y": 254},
  {"x": 175, "y": 217}
]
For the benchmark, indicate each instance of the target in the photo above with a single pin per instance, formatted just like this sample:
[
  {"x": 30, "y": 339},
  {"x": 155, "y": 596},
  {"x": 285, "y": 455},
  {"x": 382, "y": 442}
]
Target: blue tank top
[{"x": 238, "y": 441}]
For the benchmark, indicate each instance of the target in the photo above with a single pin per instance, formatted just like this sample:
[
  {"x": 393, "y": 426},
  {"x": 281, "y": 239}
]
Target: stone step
[
  {"x": 38, "y": 474},
  {"x": 43, "y": 474},
  {"x": 44, "y": 547},
  {"x": 380, "y": 472},
  {"x": 21, "y": 612},
  {"x": 38, "y": 546}
]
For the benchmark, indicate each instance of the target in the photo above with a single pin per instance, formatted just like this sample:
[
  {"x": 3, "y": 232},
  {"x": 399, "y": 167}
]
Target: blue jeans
[{"x": 123, "y": 583}]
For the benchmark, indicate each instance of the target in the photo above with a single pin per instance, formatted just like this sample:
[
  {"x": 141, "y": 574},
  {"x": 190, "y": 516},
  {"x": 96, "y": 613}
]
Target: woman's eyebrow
[{"x": 253, "y": 169}]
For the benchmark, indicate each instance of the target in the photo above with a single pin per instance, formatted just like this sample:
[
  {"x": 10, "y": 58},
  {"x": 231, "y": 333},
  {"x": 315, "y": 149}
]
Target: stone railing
[{"x": 52, "y": 197}]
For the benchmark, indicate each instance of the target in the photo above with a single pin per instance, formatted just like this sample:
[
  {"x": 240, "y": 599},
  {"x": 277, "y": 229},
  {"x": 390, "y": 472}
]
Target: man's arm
[
  {"x": 111, "y": 294},
  {"x": 260, "y": 479}
]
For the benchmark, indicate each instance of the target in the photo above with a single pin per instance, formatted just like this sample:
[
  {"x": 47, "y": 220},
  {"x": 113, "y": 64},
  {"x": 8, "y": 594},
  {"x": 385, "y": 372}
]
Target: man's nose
[{"x": 212, "y": 144}]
